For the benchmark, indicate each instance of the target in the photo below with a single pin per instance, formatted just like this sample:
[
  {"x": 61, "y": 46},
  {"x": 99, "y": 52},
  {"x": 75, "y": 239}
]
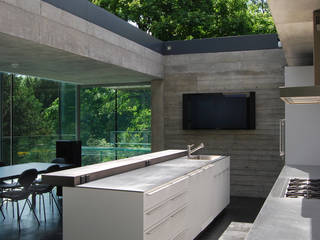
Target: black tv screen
[{"x": 219, "y": 111}]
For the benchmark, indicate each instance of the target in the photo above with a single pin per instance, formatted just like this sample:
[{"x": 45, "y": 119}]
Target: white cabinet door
[
  {"x": 195, "y": 209},
  {"x": 209, "y": 195}
]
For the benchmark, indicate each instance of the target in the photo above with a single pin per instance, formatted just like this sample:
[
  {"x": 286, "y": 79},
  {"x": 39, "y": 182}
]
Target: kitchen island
[
  {"x": 173, "y": 199},
  {"x": 288, "y": 218}
]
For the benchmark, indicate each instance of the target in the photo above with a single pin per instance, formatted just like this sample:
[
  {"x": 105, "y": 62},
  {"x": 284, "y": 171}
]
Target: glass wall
[
  {"x": 32, "y": 116},
  {"x": 115, "y": 123}
]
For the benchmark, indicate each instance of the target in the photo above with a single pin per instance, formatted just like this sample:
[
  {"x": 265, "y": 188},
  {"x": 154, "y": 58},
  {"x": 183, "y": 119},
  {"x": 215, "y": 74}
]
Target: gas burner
[{"x": 303, "y": 188}]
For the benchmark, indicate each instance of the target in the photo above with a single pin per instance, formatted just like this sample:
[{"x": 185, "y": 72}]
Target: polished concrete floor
[{"x": 240, "y": 210}]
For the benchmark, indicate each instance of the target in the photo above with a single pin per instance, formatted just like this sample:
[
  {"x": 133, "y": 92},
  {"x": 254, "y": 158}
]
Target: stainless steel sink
[{"x": 204, "y": 157}]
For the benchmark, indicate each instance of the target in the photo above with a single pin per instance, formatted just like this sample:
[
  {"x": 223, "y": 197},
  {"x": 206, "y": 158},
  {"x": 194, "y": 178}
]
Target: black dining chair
[
  {"x": 4, "y": 186},
  {"x": 22, "y": 193},
  {"x": 59, "y": 160},
  {"x": 41, "y": 189}
]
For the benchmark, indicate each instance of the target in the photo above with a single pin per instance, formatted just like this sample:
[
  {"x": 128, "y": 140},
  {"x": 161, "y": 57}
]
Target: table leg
[{"x": 33, "y": 200}]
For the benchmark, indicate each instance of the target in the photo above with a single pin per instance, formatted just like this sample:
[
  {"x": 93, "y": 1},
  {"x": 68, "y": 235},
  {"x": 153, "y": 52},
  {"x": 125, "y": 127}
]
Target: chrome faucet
[{"x": 194, "y": 150}]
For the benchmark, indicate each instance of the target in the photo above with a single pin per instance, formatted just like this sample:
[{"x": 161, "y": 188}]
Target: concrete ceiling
[
  {"x": 293, "y": 20},
  {"x": 29, "y": 58}
]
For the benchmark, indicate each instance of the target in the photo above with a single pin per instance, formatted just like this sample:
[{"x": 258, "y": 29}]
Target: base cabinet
[{"x": 177, "y": 210}]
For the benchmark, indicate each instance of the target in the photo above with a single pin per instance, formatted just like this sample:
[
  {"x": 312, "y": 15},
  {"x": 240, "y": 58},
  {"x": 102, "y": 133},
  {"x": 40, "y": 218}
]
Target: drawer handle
[
  {"x": 165, "y": 220},
  {"x": 156, "y": 208},
  {"x": 180, "y": 234},
  {"x": 166, "y": 185},
  {"x": 156, "y": 226},
  {"x": 177, "y": 196},
  {"x": 195, "y": 172},
  {"x": 179, "y": 210},
  {"x": 208, "y": 166},
  {"x": 164, "y": 203},
  {"x": 158, "y": 189},
  {"x": 179, "y": 180}
]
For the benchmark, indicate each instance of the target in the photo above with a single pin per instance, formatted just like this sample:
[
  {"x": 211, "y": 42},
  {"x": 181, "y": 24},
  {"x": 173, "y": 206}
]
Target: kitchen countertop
[
  {"x": 144, "y": 179},
  {"x": 288, "y": 218}
]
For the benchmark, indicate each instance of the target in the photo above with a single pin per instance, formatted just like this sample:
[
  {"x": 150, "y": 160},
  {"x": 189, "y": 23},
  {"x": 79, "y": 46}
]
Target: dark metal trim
[
  {"x": 11, "y": 119},
  {"x": 99, "y": 16},
  {"x": 116, "y": 124},
  {"x": 78, "y": 108},
  {"x": 222, "y": 44}
]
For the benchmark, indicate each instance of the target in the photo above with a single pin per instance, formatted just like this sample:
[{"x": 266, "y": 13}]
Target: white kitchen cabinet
[
  {"x": 209, "y": 195},
  {"x": 178, "y": 209}
]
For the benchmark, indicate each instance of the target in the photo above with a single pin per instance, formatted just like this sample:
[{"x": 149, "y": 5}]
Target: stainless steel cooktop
[{"x": 303, "y": 188}]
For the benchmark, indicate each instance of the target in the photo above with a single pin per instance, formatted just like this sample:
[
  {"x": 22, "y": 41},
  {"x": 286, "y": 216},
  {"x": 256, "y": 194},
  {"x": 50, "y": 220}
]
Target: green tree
[
  {"x": 190, "y": 19},
  {"x": 97, "y": 114}
]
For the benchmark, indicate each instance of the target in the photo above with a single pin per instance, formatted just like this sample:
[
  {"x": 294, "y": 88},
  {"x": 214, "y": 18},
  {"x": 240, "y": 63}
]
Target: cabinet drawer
[
  {"x": 156, "y": 196},
  {"x": 181, "y": 236},
  {"x": 178, "y": 222},
  {"x": 169, "y": 227},
  {"x": 164, "y": 209}
]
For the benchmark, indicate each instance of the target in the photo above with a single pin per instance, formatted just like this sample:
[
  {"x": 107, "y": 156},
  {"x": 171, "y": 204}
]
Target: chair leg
[
  {"x": 2, "y": 211},
  {"x": 18, "y": 217},
  {"x": 24, "y": 205},
  {"x": 55, "y": 201},
  {"x": 34, "y": 213},
  {"x": 12, "y": 209},
  {"x": 39, "y": 206}
]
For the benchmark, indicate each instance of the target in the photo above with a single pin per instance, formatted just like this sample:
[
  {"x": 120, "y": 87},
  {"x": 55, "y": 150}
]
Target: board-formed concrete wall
[{"x": 255, "y": 161}]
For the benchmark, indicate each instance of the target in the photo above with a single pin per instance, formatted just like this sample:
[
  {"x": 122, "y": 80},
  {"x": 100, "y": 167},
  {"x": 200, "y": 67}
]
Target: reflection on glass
[
  {"x": 35, "y": 113},
  {"x": 5, "y": 117},
  {"x": 115, "y": 123},
  {"x": 30, "y": 118},
  {"x": 67, "y": 111}
]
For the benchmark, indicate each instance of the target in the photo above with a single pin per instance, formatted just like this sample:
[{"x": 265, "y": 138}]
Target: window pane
[
  {"x": 96, "y": 123},
  {"x": 68, "y": 111},
  {"x": 134, "y": 122},
  {"x": 5, "y": 117},
  {"x": 35, "y": 119},
  {"x": 115, "y": 123}
]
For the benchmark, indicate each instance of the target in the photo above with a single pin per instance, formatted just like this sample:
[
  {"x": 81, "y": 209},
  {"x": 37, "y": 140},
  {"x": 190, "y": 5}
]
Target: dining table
[{"x": 14, "y": 171}]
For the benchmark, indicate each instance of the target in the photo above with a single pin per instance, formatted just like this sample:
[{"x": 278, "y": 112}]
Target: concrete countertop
[
  {"x": 144, "y": 179},
  {"x": 288, "y": 218}
]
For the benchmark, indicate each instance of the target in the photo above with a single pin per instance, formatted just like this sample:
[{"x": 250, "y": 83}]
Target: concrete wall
[
  {"x": 255, "y": 161},
  {"x": 302, "y": 121}
]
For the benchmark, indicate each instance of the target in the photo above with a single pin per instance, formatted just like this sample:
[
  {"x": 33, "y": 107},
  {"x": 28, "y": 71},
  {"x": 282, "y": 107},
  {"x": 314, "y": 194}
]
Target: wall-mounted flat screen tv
[{"x": 219, "y": 111}]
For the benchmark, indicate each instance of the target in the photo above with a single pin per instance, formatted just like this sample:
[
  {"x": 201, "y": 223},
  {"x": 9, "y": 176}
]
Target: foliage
[
  {"x": 189, "y": 19},
  {"x": 50, "y": 116},
  {"x": 98, "y": 113}
]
